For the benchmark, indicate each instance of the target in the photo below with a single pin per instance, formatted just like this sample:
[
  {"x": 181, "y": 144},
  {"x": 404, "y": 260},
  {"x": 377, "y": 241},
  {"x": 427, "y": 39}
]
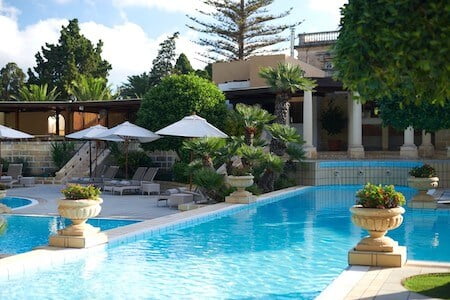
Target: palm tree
[
  {"x": 285, "y": 80},
  {"x": 284, "y": 135},
  {"x": 35, "y": 92},
  {"x": 253, "y": 119},
  {"x": 90, "y": 88}
]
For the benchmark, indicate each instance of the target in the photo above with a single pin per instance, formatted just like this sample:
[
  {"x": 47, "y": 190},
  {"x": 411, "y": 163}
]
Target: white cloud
[
  {"x": 8, "y": 11},
  {"x": 126, "y": 47},
  {"x": 329, "y": 7},
  {"x": 184, "y": 6},
  {"x": 62, "y": 1}
]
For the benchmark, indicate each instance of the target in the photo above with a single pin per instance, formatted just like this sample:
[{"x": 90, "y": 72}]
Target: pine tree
[
  {"x": 164, "y": 61},
  {"x": 183, "y": 65},
  {"x": 58, "y": 65},
  {"x": 241, "y": 28}
]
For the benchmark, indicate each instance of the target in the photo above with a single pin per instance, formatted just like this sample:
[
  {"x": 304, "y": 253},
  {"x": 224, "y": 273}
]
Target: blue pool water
[
  {"x": 23, "y": 233},
  {"x": 370, "y": 163},
  {"x": 289, "y": 249},
  {"x": 15, "y": 202}
]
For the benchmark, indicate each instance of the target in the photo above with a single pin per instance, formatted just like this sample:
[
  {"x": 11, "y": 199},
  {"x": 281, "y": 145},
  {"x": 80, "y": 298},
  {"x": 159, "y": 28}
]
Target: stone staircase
[{"x": 78, "y": 165}]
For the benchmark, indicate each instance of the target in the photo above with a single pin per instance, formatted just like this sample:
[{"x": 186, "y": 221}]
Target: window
[{"x": 51, "y": 121}]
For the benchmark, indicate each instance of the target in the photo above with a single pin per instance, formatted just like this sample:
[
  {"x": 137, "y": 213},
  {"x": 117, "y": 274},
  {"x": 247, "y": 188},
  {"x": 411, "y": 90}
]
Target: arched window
[{"x": 52, "y": 125}]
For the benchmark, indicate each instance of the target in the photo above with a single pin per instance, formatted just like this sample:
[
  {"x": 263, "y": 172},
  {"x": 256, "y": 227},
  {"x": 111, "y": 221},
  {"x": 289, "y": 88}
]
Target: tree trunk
[
  {"x": 267, "y": 181},
  {"x": 277, "y": 147},
  {"x": 282, "y": 108}
]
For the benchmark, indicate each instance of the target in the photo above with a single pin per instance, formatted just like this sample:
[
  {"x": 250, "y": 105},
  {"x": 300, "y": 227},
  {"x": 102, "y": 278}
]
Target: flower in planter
[
  {"x": 378, "y": 196},
  {"x": 77, "y": 192},
  {"x": 425, "y": 171}
]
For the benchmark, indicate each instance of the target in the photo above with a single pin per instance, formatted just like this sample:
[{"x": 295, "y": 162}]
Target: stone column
[
  {"x": 385, "y": 138},
  {"x": 409, "y": 149},
  {"x": 355, "y": 147},
  {"x": 426, "y": 149},
  {"x": 310, "y": 150}
]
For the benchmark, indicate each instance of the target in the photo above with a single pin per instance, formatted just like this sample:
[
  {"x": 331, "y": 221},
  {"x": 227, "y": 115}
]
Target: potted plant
[
  {"x": 3, "y": 190},
  {"x": 378, "y": 209},
  {"x": 423, "y": 178},
  {"x": 80, "y": 203},
  {"x": 333, "y": 122},
  {"x": 240, "y": 177}
]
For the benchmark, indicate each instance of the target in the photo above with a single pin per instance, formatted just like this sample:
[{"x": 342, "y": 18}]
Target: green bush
[
  {"x": 62, "y": 152},
  {"x": 136, "y": 158},
  {"x": 210, "y": 182},
  {"x": 378, "y": 196},
  {"x": 180, "y": 172},
  {"x": 178, "y": 96},
  {"x": 76, "y": 192},
  {"x": 425, "y": 171}
]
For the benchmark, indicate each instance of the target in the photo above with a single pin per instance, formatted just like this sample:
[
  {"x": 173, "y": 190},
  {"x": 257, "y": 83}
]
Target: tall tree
[
  {"x": 398, "y": 48},
  {"x": 74, "y": 55},
  {"x": 241, "y": 28},
  {"x": 12, "y": 78},
  {"x": 136, "y": 87},
  {"x": 163, "y": 64},
  {"x": 183, "y": 65},
  {"x": 285, "y": 80},
  {"x": 35, "y": 92}
]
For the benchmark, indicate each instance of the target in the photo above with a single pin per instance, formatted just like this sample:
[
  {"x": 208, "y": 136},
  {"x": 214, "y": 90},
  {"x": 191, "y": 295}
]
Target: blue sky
[{"x": 130, "y": 29}]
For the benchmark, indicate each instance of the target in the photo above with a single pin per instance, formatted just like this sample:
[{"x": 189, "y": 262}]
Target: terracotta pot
[
  {"x": 377, "y": 222},
  {"x": 423, "y": 185},
  {"x": 78, "y": 211}
]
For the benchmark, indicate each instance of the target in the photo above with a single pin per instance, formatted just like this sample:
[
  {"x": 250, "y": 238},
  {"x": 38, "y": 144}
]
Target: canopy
[
  {"x": 91, "y": 133},
  {"x": 128, "y": 132},
  {"x": 192, "y": 126},
  {"x": 9, "y": 133}
]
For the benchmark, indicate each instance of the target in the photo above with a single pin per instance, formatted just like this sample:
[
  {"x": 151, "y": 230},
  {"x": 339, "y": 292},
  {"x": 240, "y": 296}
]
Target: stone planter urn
[
  {"x": 423, "y": 185},
  {"x": 240, "y": 195},
  {"x": 79, "y": 211},
  {"x": 2, "y": 194},
  {"x": 377, "y": 222}
]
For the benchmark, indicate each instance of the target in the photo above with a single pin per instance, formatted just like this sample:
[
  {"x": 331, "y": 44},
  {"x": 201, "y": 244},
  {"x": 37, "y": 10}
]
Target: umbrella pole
[
  {"x": 126, "y": 159},
  {"x": 190, "y": 173},
  {"x": 90, "y": 160}
]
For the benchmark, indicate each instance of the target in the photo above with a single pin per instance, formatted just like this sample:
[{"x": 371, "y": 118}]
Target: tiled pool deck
[{"x": 354, "y": 283}]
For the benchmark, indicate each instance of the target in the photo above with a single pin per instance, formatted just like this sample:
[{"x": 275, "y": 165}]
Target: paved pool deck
[{"x": 136, "y": 207}]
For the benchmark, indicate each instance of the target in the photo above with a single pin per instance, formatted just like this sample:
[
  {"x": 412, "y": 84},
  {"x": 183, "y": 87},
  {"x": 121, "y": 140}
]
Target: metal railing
[{"x": 317, "y": 38}]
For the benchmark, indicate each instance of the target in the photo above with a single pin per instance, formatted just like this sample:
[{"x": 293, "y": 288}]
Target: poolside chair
[
  {"x": 13, "y": 175},
  {"x": 135, "y": 180},
  {"x": 135, "y": 186},
  {"x": 109, "y": 175},
  {"x": 181, "y": 195}
]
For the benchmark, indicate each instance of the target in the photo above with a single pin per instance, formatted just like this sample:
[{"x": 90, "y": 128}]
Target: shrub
[
  {"x": 136, "y": 158},
  {"x": 62, "y": 152},
  {"x": 3, "y": 187},
  {"x": 378, "y": 196},
  {"x": 180, "y": 172},
  {"x": 425, "y": 171},
  {"x": 76, "y": 192},
  {"x": 333, "y": 119},
  {"x": 210, "y": 182}
]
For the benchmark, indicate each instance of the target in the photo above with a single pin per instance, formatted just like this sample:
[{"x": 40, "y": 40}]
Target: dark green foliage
[
  {"x": 183, "y": 65},
  {"x": 163, "y": 64},
  {"x": 206, "y": 72},
  {"x": 180, "y": 172},
  {"x": 60, "y": 64},
  {"x": 425, "y": 171},
  {"x": 284, "y": 182},
  {"x": 426, "y": 116},
  {"x": 178, "y": 96},
  {"x": 136, "y": 158},
  {"x": 395, "y": 47},
  {"x": 210, "y": 182},
  {"x": 254, "y": 189},
  {"x": 333, "y": 119},
  {"x": 12, "y": 78},
  {"x": 86, "y": 88},
  {"x": 78, "y": 192},
  {"x": 33, "y": 92},
  {"x": 62, "y": 152},
  {"x": 240, "y": 28},
  {"x": 136, "y": 87}
]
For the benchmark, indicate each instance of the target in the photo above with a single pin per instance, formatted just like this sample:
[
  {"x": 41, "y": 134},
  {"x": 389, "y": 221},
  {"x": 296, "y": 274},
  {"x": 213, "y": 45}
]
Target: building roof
[{"x": 84, "y": 106}]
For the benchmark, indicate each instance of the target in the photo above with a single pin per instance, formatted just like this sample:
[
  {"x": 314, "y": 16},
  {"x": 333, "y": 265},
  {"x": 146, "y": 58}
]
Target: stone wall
[{"x": 163, "y": 159}]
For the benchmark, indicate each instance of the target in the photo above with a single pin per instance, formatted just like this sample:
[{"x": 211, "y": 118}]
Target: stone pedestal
[
  {"x": 426, "y": 149},
  {"x": 409, "y": 149},
  {"x": 396, "y": 258},
  {"x": 71, "y": 241},
  {"x": 422, "y": 199},
  {"x": 356, "y": 151},
  {"x": 240, "y": 197}
]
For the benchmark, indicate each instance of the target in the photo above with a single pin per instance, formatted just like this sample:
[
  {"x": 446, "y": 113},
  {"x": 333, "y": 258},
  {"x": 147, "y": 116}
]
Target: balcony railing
[{"x": 317, "y": 38}]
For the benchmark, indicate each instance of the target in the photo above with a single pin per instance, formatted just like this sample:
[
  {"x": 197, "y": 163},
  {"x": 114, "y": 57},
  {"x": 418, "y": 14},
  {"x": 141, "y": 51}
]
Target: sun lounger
[
  {"x": 123, "y": 186},
  {"x": 181, "y": 195},
  {"x": 109, "y": 175},
  {"x": 135, "y": 180},
  {"x": 13, "y": 175}
]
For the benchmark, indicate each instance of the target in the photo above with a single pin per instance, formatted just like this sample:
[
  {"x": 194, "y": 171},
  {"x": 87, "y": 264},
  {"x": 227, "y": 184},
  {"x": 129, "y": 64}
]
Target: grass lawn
[{"x": 435, "y": 285}]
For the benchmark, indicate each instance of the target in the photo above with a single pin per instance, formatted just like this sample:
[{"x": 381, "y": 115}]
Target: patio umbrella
[
  {"x": 128, "y": 132},
  {"x": 192, "y": 127},
  {"x": 9, "y": 133},
  {"x": 89, "y": 135}
]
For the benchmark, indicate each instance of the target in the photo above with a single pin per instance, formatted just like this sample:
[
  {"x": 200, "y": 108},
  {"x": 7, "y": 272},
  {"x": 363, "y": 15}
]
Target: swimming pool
[
  {"x": 292, "y": 248},
  {"x": 17, "y": 202},
  {"x": 23, "y": 233}
]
